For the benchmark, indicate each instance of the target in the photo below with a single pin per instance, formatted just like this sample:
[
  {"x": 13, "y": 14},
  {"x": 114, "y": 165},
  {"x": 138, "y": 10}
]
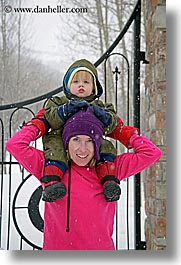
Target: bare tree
[{"x": 4, "y": 50}]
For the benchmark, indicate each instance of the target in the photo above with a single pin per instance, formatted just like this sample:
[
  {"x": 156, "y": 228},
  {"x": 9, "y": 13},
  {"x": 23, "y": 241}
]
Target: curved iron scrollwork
[{"x": 33, "y": 211}]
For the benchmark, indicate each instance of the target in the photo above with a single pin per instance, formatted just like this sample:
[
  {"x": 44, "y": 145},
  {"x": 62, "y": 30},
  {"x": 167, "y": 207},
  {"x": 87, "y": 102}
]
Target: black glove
[
  {"x": 103, "y": 115},
  {"x": 66, "y": 110}
]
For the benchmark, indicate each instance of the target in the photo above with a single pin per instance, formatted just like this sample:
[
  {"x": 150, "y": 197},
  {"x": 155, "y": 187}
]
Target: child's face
[{"x": 82, "y": 84}]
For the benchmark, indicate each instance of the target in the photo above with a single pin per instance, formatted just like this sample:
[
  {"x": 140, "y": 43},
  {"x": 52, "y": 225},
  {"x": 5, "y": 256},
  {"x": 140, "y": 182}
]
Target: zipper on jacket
[{"x": 68, "y": 198}]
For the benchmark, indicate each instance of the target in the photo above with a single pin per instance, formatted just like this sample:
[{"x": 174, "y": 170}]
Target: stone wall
[{"x": 155, "y": 123}]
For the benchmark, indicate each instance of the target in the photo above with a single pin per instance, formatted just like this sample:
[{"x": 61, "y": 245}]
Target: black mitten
[
  {"x": 66, "y": 110},
  {"x": 103, "y": 115}
]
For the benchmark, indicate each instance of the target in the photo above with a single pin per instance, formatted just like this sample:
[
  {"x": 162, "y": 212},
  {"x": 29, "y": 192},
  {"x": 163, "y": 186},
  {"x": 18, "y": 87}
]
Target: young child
[{"x": 81, "y": 88}]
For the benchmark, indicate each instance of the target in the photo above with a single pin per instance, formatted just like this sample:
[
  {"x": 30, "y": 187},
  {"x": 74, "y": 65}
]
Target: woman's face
[{"x": 81, "y": 149}]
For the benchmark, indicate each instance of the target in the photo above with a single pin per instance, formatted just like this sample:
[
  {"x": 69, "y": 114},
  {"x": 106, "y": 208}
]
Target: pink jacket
[{"x": 91, "y": 217}]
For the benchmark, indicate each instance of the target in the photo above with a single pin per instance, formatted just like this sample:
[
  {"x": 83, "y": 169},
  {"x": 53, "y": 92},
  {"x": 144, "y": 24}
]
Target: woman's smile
[{"x": 82, "y": 156}]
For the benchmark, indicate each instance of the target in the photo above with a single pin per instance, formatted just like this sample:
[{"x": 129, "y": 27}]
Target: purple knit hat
[{"x": 84, "y": 122}]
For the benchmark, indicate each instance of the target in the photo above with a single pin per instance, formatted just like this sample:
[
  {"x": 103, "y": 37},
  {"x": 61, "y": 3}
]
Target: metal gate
[{"x": 21, "y": 207}]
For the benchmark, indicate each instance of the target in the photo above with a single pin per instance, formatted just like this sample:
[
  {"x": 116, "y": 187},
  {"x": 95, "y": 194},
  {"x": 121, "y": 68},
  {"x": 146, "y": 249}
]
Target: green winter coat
[{"x": 52, "y": 141}]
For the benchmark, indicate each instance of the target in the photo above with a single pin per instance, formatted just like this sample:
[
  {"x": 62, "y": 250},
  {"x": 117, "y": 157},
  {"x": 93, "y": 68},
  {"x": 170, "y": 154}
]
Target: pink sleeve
[
  {"x": 29, "y": 157},
  {"x": 146, "y": 153}
]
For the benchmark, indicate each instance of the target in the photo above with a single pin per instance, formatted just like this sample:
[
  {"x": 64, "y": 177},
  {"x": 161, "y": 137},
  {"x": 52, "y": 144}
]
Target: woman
[{"x": 83, "y": 219}]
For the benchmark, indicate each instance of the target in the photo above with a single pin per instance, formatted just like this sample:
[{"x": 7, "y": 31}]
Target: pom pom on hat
[{"x": 84, "y": 122}]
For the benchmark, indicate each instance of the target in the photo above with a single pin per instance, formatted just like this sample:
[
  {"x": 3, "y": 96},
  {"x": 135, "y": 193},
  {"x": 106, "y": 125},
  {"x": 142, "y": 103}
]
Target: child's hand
[
  {"x": 66, "y": 110},
  {"x": 102, "y": 115}
]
